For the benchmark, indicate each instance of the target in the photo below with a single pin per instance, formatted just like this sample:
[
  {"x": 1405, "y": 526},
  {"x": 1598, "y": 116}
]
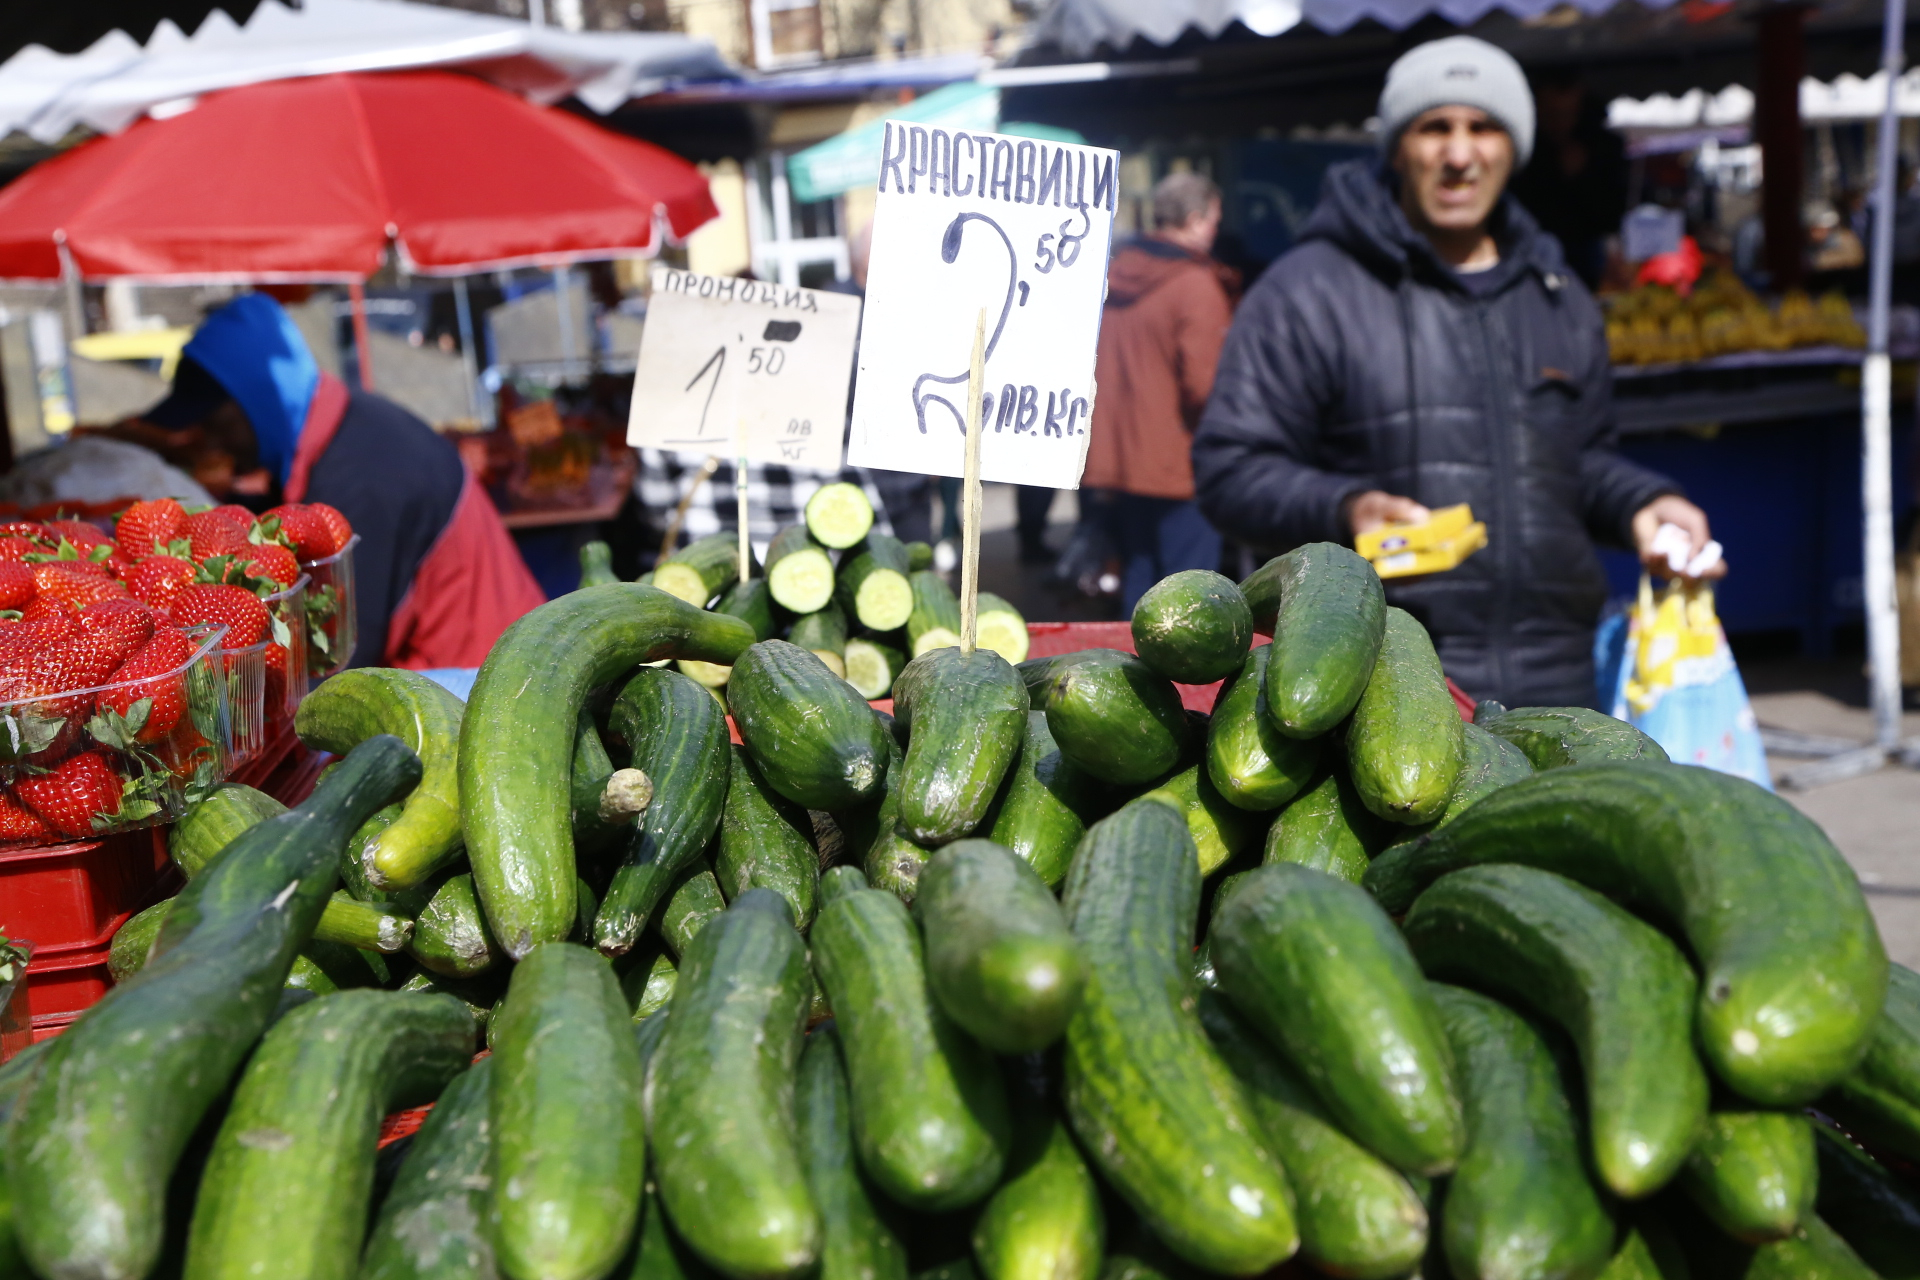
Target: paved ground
[{"x": 1875, "y": 820}]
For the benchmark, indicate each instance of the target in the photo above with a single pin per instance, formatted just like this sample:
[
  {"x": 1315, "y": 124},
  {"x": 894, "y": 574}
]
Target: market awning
[
  {"x": 1844, "y": 98},
  {"x": 852, "y": 159},
  {"x": 116, "y": 81},
  {"x": 1078, "y": 27}
]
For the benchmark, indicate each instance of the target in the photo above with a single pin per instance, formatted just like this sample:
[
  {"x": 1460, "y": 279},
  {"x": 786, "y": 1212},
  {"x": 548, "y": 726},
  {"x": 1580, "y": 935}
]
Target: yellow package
[
  {"x": 1440, "y": 526},
  {"x": 1675, "y": 630},
  {"x": 1435, "y": 559}
]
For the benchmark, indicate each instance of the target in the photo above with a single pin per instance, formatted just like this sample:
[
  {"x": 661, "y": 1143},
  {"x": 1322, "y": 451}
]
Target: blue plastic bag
[{"x": 1664, "y": 667}]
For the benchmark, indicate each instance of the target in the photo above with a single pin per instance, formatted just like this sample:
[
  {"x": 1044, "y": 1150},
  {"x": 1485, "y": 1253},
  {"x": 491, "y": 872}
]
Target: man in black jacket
[{"x": 1426, "y": 345}]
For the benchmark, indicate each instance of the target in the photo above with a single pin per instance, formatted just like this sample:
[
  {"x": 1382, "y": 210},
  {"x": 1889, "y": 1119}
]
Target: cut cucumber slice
[
  {"x": 799, "y": 571},
  {"x": 883, "y": 601},
  {"x": 872, "y": 667},
  {"x": 710, "y": 674},
  {"x": 839, "y": 515},
  {"x": 1001, "y": 628}
]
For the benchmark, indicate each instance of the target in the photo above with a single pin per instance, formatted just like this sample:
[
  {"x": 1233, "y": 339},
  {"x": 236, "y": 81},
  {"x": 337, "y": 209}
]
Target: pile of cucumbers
[
  {"x": 861, "y": 601},
  {"x": 1040, "y": 977}
]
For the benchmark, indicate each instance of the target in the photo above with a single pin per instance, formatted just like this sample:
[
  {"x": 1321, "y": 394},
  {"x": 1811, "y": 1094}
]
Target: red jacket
[
  {"x": 1165, "y": 321},
  {"x": 437, "y": 578}
]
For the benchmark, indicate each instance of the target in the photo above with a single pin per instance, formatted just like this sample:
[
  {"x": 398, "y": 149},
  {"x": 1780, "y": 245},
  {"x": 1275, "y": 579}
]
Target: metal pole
[
  {"x": 469, "y": 359},
  {"x": 563, "y": 303},
  {"x": 362, "y": 343},
  {"x": 1876, "y": 453}
]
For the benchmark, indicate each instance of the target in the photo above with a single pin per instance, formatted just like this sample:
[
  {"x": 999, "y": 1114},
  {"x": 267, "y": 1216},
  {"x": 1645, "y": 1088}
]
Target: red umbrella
[{"x": 308, "y": 180}]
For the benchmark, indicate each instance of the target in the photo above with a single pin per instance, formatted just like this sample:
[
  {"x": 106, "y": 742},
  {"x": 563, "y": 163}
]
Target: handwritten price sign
[
  {"x": 1021, "y": 227},
  {"x": 722, "y": 356}
]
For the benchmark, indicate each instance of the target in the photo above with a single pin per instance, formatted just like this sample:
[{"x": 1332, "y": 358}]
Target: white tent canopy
[
  {"x": 116, "y": 81},
  {"x": 1848, "y": 97}
]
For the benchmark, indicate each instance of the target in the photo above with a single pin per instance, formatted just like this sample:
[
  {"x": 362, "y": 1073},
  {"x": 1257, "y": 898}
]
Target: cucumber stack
[{"x": 1041, "y": 977}]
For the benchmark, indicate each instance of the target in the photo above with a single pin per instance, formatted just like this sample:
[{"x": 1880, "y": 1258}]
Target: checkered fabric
[{"x": 776, "y": 496}]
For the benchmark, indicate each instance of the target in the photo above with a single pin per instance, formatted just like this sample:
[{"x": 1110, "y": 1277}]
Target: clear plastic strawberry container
[
  {"x": 85, "y": 763},
  {"x": 286, "y": 677},
  {"x": 333, "y": 617}
]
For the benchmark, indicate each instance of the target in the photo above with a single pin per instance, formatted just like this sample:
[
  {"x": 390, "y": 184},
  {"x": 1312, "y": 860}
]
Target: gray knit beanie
[{"x": 1458, "y": 71}]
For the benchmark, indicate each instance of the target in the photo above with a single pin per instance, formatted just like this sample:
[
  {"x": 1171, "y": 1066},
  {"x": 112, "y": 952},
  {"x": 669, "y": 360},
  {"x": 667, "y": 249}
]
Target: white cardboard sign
[
  {"x": 1021, "y": 227},
  {"x": 719, "y": 352}
]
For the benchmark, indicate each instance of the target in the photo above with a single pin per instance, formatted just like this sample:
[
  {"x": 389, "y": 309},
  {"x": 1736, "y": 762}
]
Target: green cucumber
[
  {"x": 1044, "y": 1222},
  {"x": 890, "y": 860},
  {"x": 1405, "y": 743},
  {"x": 934, "y": 622},
  {"x": 1044, "y": 804},
  {"x": 1153, "y": 1105},
  {"x": 1520, "y": 1203},
  {"x": 1880, "y": 1098},
  {"x": 1754, "y": 1173},
  {"x": 477, "y": 996},
  {"x": 326, "y": 967},
  {"x": 766, "y": 842},
  {"x": 1220, "y": 831},
  {"x": 596, "y": 564},
  {"x": 123, "y": 1089},
  {"x": 1488, "y": 764},
  {"x": 1319, "y": 969},
  {"x": 286, "y": 1190},
  {"x": 752, "y": 602},
  {"x": 799, "y": 571},
  {"x": 1358, "y": 1216},
  {"x": 658, "y": 1252},
  {"x": 1792, "y": 969},
  {"x": 605, "y": 799},
  {"x": 517, "y": 741},
  {"x": 1038, "y": 674},
  {"x": 824, "y": 635},
  {"x": 1873, "y": 1210},
  {"x": 1001, "y": 627},
  {"x": 1000, "y": 959},
  {"x": 1647, "y": 1253},
  {"x": 352, "y": 707},
  {"x": 451, "y": 937},
  {"x": 965, "y": 716},
  {"x": 568, "y": 1136},
  {"x": 701, "y": 570},
  {"x": 1193, "y": 626},
  {"x": 929, "y": 1110},
  {"x": 678, "y": 735},
  {"x": 873, "y": 587},
  {"x": 367, "y": 925},
  {"x": 873, "y": 666},
  {"x": 836, "y": 881},
  {"x": 1327, "y": 828},
  {"x": 839, "y": 515},
  {"x": 720, "y": 1095},
  {"x": 1555, "y": 737},
  {"x": 215, "y": 821},
  {"x": 855, "y": 1241},
  {"x": 1326, "y": 611},
  {"x": 696, "y": 899},
  {"x": 133, "y": 940},
  {"x": 813, "y": 738},
  {"x": 1813, "y": 1252},
  {"x": 1115, "y": 717},
  {"x": 648, "y": 985},
  {"x": 353, "y": 872},
  {"x": 432, "y": 1224},
  {"x": 919, "y": 556},
  {"x": 1252, "y": 764},
  {"x": 1620, "y": 990}
]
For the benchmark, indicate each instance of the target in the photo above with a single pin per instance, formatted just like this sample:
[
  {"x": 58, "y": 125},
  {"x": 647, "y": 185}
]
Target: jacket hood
[
  {"x": 1359, "y": 212},
  {"x": 1142, "y": 265}
]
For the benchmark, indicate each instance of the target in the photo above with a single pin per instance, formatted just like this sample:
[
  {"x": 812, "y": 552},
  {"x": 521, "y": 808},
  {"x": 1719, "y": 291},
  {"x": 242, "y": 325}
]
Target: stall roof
[
  {"x": 1845, "y": 97},
  {"x": 116, "y": 81}
]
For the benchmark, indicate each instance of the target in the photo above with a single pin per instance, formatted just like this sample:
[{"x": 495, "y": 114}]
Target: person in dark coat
[{"x": 1426, "y": 345}]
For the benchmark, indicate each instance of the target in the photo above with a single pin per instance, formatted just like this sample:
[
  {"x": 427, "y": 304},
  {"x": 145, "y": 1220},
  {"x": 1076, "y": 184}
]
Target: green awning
[{"x": 852, "y": 159}]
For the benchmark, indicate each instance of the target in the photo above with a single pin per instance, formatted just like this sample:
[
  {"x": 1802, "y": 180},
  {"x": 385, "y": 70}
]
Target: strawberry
[
  {"x": 315, "y": 529},
  {"x": 70, "y": 795},
  {"x": 145, "y": 526},
  {"x": 235, "y": 608},
  {"x": 48, "y": 609},
  {"x": 122, "y": 615},
  {"x": 83, "y": 534},
  {"x": 75, "y": 582},
  {"x": 15, "y": 550},
  {"x": 237, "y": 515},
  {"x": 16, "y": 586},
  {"x": 273, "y": 561},
  {"x": 339, "y": 531},
  {"x": 210, "y": 533},
  {"x": 20, "y": 825},
  {"x": 276, "y": 679},
  {"x": 31, "y": 530},
  {"x": 152, "y": 672},
  {"x": 158, "y": 579},
  {"x": 19, "y": 641}
]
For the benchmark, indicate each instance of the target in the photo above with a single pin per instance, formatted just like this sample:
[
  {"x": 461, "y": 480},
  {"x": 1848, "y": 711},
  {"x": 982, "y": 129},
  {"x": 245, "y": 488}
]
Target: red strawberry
[
  {"x": 19, "y": 641},
  {"x": 83, "y": 534},
  {"x": 158, "y": 579},
  {"x": 236, "y": 515},
  {"x": 315, "y": 529},
  {"x": 146, "y": 525},
  {"x": 235, "y": 608},
  {"x": 16, "y": 586},
  {"x": 16, "y": 550},
  {"x": 212, "y": 534},
  {"x": 19, "y": 825},
  {"x": 48, "y": 609},
  {"x": 75, "y": 582},
  {"x": 271, "y": 560},
  {"x": 339, "y": 531},
  {"x": 123, "y": 616},
  {"x": 70, "y": 794},
  {"x": 31, "y": 530},
  {"x": 152, "y": 672}
]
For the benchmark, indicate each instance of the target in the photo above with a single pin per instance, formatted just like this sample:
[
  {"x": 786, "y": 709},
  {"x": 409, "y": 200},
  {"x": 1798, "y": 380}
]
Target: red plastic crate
[
  {"x": 60, "y": 988},
  {"x": 71, "y": 898}
]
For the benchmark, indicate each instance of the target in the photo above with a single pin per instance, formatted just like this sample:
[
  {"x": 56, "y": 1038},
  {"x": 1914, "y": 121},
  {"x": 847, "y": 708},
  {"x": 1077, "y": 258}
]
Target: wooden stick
[
  {"x": 740, "y": 495},
  {"x": 700, "y": 477},
  {"x": 970, "y": 495}
]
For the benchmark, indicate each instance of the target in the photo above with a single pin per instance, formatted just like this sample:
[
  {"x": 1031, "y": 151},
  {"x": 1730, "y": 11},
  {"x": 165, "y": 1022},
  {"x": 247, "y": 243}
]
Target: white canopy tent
[
  {"x": 1845, "y": 98},
  {"x": 114, "y": 82}
]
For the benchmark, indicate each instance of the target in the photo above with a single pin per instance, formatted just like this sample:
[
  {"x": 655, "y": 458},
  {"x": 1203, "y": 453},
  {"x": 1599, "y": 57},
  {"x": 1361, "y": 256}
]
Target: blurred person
[
  {"x": 1166, "y": 316},
  {"x": 1426, "y": 345},
  {"x": 436, "y": 575},
  {"x": 1575, "y": 184}
]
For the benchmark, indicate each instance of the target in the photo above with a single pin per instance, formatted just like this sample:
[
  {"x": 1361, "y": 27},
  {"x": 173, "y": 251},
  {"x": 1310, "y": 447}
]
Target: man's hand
[
  {"x": 1691, "y": 520},
  {"x": 1368, "y": 511}
]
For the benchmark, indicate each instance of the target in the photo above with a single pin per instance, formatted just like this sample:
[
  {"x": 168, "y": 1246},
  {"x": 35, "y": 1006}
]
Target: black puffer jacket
[{"x": 1360, "y": 361}]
